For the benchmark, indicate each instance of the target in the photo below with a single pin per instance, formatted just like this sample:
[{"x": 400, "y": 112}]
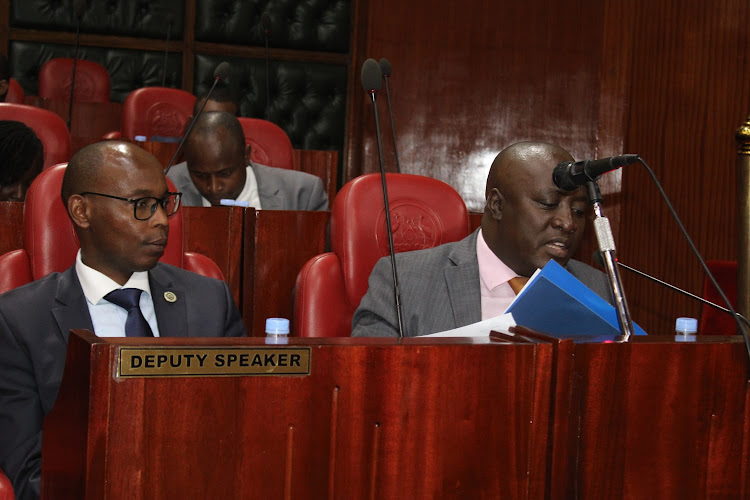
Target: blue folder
[{"x": 555, "y": 302}]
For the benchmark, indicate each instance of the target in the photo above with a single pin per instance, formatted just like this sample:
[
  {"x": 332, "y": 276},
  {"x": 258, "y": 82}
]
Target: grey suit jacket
[
  {"x": 35, "y": 321},
  {"x": 439, "y": 291},
  {"x": 278, "y": 188}
]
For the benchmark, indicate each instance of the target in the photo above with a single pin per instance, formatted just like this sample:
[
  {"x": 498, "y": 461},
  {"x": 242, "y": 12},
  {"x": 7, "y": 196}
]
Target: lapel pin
[{"x": 170, "y": 297}]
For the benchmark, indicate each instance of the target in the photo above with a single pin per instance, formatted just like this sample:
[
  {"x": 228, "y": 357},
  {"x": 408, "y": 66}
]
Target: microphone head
[
  {"x": 561, "y": 177},
  {"x": 385, "y": 67},
  {"x": 372, "y": 77},
  {"x": 222, "y": 71},
  {"x": 265, "y": 21}
]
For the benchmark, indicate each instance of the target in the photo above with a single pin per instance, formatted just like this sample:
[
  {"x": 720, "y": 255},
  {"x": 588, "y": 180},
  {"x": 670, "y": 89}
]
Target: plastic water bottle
[
  {"x": 686, "y": 326},
  {"x": 277, "y": 331}
]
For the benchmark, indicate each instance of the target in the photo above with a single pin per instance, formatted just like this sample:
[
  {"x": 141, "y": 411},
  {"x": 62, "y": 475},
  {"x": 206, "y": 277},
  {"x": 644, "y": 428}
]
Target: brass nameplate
[{"x": 212, "y": 361}]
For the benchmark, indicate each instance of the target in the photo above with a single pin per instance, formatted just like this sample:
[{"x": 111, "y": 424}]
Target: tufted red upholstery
[
  {"x": 269, "y": 143},
  {"x": 151, "y": 111},
  {"x": 49, "y": 127},
  {"x": 50, "y": 243},
  {"x": 425, "y": 212},
  {"x": 15, "y": 92},
  {"x": 92, "y": 80},
  {"x": 6, "y": 489},
  {"x": 713, "y": 321}
]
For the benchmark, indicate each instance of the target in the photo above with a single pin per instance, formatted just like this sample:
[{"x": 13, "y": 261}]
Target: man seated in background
[
  {"x": 218, "y": 167},
  {"x": 21, "y": 159},
  {"x": 117, "y": 198},
  {"x": 221, "y": 100},
  {"x": 527, "y": 221},
  {"x": 4, "y": 76}
]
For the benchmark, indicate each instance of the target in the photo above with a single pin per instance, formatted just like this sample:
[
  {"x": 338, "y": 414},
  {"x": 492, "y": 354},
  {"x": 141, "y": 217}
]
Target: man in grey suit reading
[
  {"x": 527, "y": 221},
  {"x": 218, "y": 167},
  {"x": 116, "y": 195}
]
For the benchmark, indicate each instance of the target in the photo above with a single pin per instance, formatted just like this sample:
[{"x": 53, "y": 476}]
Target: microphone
[
  {"x": 568, "y": 175},
  {"x": 598, "y": 260},
  {"x": 170, "y": 21},
  {"x": 385, "y": 68},
  {"x": 372, "y": 81},
  {"x": 79, "y": 6},
  {"x": 220, "y": 73},
  {"x": 265, "y": 21}
]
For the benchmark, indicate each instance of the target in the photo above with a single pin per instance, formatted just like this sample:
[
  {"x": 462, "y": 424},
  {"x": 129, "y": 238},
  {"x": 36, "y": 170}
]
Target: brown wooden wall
[{"x": 666, "y": 79}]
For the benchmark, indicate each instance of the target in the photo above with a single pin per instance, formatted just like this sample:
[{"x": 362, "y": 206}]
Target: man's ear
[
  {"x": 3, "y": 87},
  {"x": 495, "y": 203},
  {"x": 79, "y": 211},
  {"x": 248, "y": 150}
]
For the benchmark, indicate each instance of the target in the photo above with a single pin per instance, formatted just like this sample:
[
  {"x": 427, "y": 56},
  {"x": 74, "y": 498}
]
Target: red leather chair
[
  {"x": 425, "y": 212},
  {"x": 48, "y": 126},
  {"x": 50, "y": 243},
  {"x": 56, "y": 75},
  {"x": 268, "y": 142},
  {"x": 161, "y": 111},
  {"x": 15, "y": 92},
  {"x": 6, "y": 489},
  {"x": 713, "y": 321}
]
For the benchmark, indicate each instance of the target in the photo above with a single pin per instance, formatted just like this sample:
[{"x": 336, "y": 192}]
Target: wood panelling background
[{"x": 664, "y": 79}]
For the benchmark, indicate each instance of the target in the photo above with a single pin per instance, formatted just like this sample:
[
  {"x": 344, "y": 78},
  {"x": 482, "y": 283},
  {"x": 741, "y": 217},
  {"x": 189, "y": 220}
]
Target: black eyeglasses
[{"x": 144, "y": 208}]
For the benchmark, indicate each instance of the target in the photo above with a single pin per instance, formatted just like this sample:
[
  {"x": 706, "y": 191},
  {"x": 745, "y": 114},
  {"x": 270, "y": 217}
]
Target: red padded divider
[
  {"x": 202, "y": 265},
  {"x": 321, "y": 307},
  {"x": 49, "y": 127},
  {"x": 714, "y": 321},
  {"x": 151, "y": 111},
  {"x": 15, "y": 270},
  {"x": 15, "y": 92},
  {"x": 268, "y": 142},
  {"x": 92, "y": 80}
]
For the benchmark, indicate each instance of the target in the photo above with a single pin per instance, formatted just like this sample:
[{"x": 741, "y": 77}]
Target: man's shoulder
[
  {"x": 183, "y": 275},
  {"x": 37, "y": 290},
  {"x": 179, "y": 174},
  {"x": 284, "y": 174}
]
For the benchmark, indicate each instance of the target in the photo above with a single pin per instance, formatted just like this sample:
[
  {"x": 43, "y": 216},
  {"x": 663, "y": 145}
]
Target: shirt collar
[
  {"x": 492, "y": 271},
  {"x": 96, "y": 285}
]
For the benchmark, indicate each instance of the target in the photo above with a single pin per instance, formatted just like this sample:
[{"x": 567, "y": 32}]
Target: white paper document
[{"x": 481, "y": 329}]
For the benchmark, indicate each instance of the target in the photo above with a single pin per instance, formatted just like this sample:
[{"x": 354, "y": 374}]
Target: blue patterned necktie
[{"x": 129, "y": 298}]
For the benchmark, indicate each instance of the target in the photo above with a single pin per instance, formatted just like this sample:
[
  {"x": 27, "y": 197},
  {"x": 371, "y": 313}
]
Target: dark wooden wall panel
[{"x": 689, "y": 92}]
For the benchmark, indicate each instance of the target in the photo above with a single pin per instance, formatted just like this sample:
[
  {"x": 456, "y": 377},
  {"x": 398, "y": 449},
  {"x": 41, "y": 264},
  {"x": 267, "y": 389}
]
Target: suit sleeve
[
  {"x": 318, "y": 199},
  {"x": 376, "y": 314},
  {"x": 233, "y": 324},
  {"x": 21, "y": 416}
]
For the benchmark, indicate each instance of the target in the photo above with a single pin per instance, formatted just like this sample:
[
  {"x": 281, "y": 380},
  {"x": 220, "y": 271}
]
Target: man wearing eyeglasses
[{"x": 117, "y": 198}]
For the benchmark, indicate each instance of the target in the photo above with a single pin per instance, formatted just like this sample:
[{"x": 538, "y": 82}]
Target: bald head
[
  {"x": 527, "y": 219},
  {"x": 217, "y": 123}
]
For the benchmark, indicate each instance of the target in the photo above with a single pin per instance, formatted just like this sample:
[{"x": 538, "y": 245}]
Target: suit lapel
[
  {"x": 169, "y": 303},
  {"x": 462, "y": 280},
  {"x": 268, "y": 189},
  {"x": 71, "y": 310}
]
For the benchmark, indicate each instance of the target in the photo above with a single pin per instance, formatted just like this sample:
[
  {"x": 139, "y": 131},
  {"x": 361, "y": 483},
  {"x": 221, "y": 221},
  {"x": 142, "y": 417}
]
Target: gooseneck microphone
[
  {"x": 220, "y": 73},
  {"x": 385, "y": 68},
  {"x": 599, "y": 261},
  {"x": 79, "y": 6},
  {"x": 265, "y": 21},
  {"x": 170, "y": 22},
  {"x": 372, "y": 81},
  {"x": 568, "y": 175}
]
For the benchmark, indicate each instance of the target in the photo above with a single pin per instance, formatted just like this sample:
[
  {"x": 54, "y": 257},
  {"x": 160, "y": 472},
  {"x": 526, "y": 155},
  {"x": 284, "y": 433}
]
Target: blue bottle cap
[
  {"x": 226, "y": 202},
  {"x": 279, "y": 326},
  {"x": 686, "y": 325},
  {"x": 141, "y": 138}
]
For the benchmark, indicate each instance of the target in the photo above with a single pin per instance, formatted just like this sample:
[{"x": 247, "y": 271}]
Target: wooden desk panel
[
  {"x": 277, "y": 245},
  {"x": 324, "y": 164},
  {"x": 216, "y": 232}
]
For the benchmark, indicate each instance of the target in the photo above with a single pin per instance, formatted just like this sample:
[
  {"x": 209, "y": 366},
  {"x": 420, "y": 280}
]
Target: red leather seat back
[
  {"x": 15, "y": 92},
  {"x": 49, "y": 127},
  {"x": 268, "y": 142},
  {"x": 425, "y": 213},
  {"x": 6, "y": 489},
  {"x": 49, "y": 238},
  {"x": 713, "y": 321},
  {"x": 161, "y": 111},
  {"x": 92, "y": 80}
]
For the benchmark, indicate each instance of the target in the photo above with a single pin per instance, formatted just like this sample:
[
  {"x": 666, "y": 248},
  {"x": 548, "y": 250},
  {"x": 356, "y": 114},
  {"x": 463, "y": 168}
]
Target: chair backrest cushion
[
  {"x": 156, "y": 111},
  {"x": 92, "y": 80},
  {"x": 268, "y": 142},
  {"x": 48, "y": 126}
]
